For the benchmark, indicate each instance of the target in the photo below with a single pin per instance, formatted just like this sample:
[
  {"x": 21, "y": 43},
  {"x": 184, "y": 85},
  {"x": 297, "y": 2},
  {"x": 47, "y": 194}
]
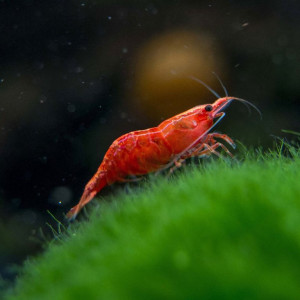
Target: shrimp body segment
[{"x": 167, "y": 145}]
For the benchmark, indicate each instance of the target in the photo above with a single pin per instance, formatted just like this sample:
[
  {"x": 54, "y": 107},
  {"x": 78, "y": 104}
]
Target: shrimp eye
[{"x": 208, "y": 107}]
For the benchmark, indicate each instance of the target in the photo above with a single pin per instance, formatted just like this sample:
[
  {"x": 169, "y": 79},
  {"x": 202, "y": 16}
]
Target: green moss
[{"x": 216, "y": 232}]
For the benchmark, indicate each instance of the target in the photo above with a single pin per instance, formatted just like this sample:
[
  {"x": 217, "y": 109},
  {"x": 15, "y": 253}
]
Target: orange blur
[{"x": 161, "y": 86}]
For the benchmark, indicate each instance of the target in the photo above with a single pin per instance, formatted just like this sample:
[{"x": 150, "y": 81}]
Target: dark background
[{"x": 75, "y": 75}]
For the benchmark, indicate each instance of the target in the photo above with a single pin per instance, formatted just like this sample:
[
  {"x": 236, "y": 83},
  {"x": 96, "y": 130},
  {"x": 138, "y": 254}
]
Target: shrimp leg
[
  {"x": 205, "y": 148},
  {"x": 210, "y": 144}
]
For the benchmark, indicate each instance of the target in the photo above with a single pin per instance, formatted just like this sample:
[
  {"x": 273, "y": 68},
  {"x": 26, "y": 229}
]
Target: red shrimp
[{"x": 170, "y": 143}]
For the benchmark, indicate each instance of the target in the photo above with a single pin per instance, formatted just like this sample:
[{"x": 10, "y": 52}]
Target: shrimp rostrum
[{"x": 176, "y": 139}]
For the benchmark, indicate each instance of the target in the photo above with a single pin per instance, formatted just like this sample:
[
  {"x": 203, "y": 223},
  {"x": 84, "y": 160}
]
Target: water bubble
[
  {"x": 71, "y": 108},
  {"x": 44, "y": 159},
  {"x": 152, "y": 9},
  {"x": 123, "y": 115},
  {"x": 78, "y": 69},
  {"x": 60, "y": 195},
  {"x": 39, "y": 65},
  {"x": 43, "y": 99}
]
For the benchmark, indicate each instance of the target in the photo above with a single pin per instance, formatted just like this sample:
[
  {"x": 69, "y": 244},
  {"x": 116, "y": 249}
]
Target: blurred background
[{"x": 75, "y": 75}]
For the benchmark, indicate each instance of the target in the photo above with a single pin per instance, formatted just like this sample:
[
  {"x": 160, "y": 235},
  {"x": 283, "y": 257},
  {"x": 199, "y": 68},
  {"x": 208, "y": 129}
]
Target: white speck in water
[
  {"x": 71, "y": 108},
  {"x": 39, "y": 65},
  {"x": 1, "y": 80},
  {"x": 100, "y": 106},
  {"x": 78, "y": 69},
  {"x": 109, "y": 17},
  {"x": 60, "y": 195},
  {"x": 124, "y": 50},
  {"x": 43, "y": 99},
  {"x": 123, "y": 115},
  {"x": 173, "y": 72},
  {"x": 154, "y": 11},
  {"x": 245, "y": 24},
  {"x": 82, "y": 4}
]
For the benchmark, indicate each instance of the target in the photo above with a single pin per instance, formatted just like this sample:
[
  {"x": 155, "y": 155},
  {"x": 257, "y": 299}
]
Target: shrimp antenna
[
  {"x": 226, "y": 92},
  {"x": 223, "y": 86},
  {"x": 247, "y": 103},
  {"x": 204, "y": 84}
]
